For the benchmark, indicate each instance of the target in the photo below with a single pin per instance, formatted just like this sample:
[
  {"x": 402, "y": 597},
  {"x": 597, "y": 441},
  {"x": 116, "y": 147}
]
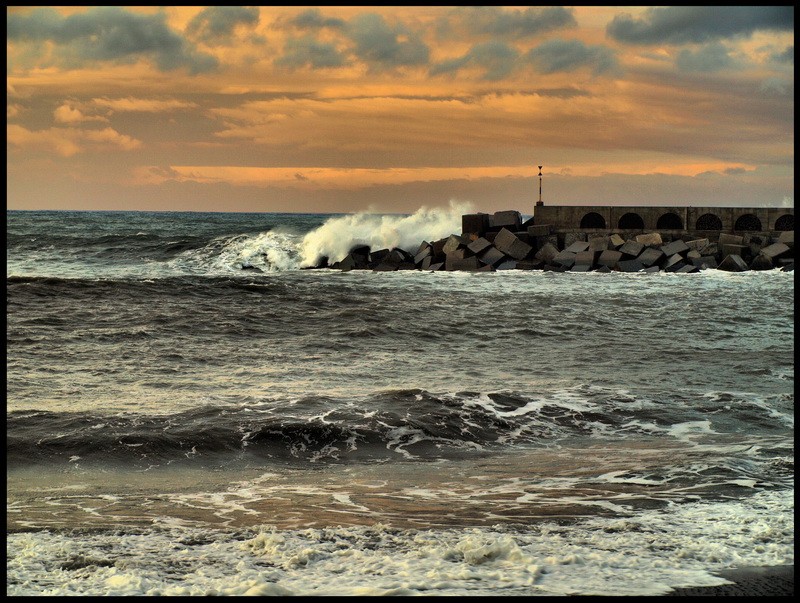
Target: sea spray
[{"x": 339, "y": 235}]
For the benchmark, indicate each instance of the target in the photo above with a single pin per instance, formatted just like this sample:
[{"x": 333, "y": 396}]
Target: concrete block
[
  {"x": 523, "y": 236},
  {"x": 436, "y": 266},
  {"x": 540, "y": 230},
  {"x": 406, "y": 266},
  {"x": 470, "y": 263},
  {"x": 687, "y": 269},
  {"x": 630, "y": 266},
  {"x": 565, "y": 258},
  {"x": 385, "y": 267},
  {"x": 426, "y": 263},
  {"x": 485, "y": 268},
  {"x": 490, "y": 236},
  {"x": 761, "y": 262},
  {"x": 492, "y": 256},
  {"x": 529, "y": 222},
  {"x": 571, "y": 237},
  {"x": 586, "y": 258},
  {"x": 507, "y": 265},
  {"x": 786, "y": 237},
  {"x": 788, "y": 267},
  {"x": 652, "y": 269},
  {"x": 530, "y": 265},
  {"x": 505, "y": 219},
  {"x": 360, "y": 250},
  {"x": 377, "y": 256},
  {"x": 697, "y": 244},
  {"x": 421, "y": 255},
  {"x": 474, "y": 224},
  {"x": 706, "y": 261},
  {"x": 692, "y": 253},
  {"x": 438, "y": 246},
  {"x": 632, "y": 248},
  {"x": 397, "y": 256},
  {"x": 581, "y": 268},
  {"x": 729, "y": 239},
  {"x": 651, "y": 257},
  {"x": 479, "y": 245},
  {"x": 577, "y": 246},
  {"x": 675, "y": 247},
  {"x": 615, "y": 241},
  {"x": 454, "y": 242},
  {"x": 546, "y": 253},
  {"x": 599, "y": 243},
  {"x": 710, "y": 249},
  {"x": 540, "y": 242},
  {"x": 674, "y": 263},
  {"x": 603, "y": 269},
  {"x": 776, "y": 250},
  {"x": 458, "y": 254},
  {"x": 507, "y": 242},
  {"x": 650, "y": 239},
  {"x": 737, "y": 250},
  {"x": 733, "y": 263},
  {"x": 609, "y": 258}
]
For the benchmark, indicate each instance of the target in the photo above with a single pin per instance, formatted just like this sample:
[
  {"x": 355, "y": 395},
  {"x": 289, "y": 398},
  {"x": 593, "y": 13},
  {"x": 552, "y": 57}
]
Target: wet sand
[{"x": 776, "y": 581}]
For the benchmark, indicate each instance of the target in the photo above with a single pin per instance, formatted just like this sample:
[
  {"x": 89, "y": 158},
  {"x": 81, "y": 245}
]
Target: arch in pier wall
[
  {"x": 708, "y": 222},
  {"x": 631, "y": 221},
  {"x": 785, "y": 222},
  {"x": 747, "y": 222},
  {"x": 593, "y": 220},
  {"x": 669, "y": 221}
]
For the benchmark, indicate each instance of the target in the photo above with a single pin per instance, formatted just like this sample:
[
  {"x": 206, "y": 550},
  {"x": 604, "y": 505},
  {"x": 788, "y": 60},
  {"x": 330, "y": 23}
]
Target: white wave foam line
[
  {"x": 338, "y": 236},
  {"x": 642, "y": 555}
]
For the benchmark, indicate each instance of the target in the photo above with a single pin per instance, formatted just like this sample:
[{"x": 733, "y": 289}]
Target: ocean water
[{"x": 190, "y": 412}]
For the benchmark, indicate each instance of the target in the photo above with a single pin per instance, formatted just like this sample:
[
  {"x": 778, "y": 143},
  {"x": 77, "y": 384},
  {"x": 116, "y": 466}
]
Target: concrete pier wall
[{"x": 688, "y": 219}]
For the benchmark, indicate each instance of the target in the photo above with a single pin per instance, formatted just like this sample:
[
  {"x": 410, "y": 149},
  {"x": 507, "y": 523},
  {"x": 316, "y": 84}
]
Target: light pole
[{"x": 539, "y": 202}]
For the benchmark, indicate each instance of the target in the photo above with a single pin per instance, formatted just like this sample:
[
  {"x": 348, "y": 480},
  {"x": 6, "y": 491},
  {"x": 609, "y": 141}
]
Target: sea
[{"x": 192, "y": 411}]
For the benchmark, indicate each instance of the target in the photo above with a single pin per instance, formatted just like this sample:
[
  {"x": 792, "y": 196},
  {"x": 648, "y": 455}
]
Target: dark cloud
[
  {"x": 496, "y": 58},
  {"x": 108, "y": 33},
  {"x": 307, "y": 51},
  {"x": 568, "y": 55},
  {"x": 735, "y": 171},
  {"x": 698, "y": 24},
  {"x": 313, "y": 19},
  {"x": 498, "y": 22},
  {"x": 216, "y": 24},
  {"x": 787, "y": 56},
  {"x": 712, "y": 57},
  {"x": 383, "y": 45}
]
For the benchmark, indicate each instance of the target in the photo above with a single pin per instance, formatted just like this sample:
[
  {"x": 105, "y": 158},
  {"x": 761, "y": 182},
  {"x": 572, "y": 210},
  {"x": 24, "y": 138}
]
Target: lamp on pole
[{"x": 539, "y": 202}]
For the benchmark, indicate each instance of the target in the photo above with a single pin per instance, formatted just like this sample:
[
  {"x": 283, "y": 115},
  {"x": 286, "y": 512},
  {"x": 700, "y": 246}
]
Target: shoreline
[{"x": 769, "y": 581}]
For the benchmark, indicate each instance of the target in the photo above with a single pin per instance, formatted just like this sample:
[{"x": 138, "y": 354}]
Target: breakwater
[{"x": 503, "y": 241}]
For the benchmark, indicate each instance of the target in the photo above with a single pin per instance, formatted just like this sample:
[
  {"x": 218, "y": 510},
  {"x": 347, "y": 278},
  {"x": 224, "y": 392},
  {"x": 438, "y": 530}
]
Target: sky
[{"x": 333, "y": 109}]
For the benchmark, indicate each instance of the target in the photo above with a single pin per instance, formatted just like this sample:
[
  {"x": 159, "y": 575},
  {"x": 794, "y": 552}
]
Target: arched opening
[
  {"x": 785, "y": 222},
  {"x": 631, "y": 221},
  {"x": 747, "y": 222},
  {"x": 708, "y": 222},
  {"x": 593, "y": 220},
  {"x": 670, "y": 221}
]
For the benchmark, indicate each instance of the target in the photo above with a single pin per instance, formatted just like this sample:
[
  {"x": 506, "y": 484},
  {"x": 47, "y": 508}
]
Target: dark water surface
[{"x": 190, "y": 412}]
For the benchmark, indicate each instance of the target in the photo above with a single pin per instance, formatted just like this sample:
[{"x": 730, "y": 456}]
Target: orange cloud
[{"x": 69, "y": 141}]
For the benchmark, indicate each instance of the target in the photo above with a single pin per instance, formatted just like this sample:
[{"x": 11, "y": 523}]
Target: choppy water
[{"x": 190, "y": 412}]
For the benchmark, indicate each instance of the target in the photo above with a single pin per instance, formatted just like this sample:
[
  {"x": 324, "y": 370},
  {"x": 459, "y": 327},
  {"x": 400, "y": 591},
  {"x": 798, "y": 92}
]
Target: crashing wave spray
[{"x": 338, "y": 236}]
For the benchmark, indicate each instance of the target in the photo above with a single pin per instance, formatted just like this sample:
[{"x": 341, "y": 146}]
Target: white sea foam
[
  {"x": 636, "y": 556},
  {"x": 338, "y": 236}
]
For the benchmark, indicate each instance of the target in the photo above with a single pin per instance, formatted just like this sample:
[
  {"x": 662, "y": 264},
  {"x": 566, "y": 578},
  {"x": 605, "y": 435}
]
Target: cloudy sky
[{"x": 389, "y": 109}]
